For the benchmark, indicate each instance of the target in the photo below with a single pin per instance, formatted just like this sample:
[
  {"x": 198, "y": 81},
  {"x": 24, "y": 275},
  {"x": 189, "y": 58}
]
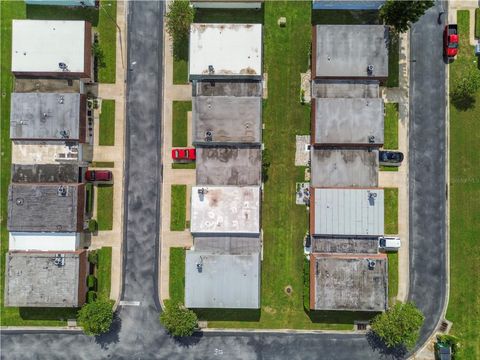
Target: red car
[
  {"x": 98, "y": 175},
  {"x": 450, "y": 40},
  {"x": 183, "y": 154}
]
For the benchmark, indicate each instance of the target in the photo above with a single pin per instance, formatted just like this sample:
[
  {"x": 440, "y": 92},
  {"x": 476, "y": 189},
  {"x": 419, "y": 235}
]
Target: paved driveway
[{"x": 137, "y": 334}]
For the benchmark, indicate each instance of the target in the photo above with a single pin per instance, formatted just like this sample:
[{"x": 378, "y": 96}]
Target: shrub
[
  {"x": 401, "y": 14},
  {"x": 91, "y": 282},
  {"x": 96, "y": 317},
  {"x": 93, "y": 257},
  {"x": 92, "y": 225},
  {"x": 178, "y": 19},
  {"x": 463, "y": 94},
  {"x": 399, "y": 325},
  {"x": 91, "y": 296},
  {"x": 177, "y": 319}
]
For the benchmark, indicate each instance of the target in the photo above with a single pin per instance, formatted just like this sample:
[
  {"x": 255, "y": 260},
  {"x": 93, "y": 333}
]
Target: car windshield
[
  {"x": 382, "y": 242},
  {"x": 453, "y": 45},
  {"x": 92, "y": 175}
]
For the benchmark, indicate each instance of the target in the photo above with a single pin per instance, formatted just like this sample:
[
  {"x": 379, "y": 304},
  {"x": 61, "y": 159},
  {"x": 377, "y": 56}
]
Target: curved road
[{"x": 137, "y": 334}]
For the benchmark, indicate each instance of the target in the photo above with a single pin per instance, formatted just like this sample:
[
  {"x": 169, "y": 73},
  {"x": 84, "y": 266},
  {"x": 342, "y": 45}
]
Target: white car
[{"x": 389, "y": 243}]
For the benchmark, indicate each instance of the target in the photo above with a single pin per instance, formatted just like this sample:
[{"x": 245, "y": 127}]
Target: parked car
[
  {"x": 389, "y": 243},
  {"x": 184, "y": 154},
  {"x": 98, "y": 175},
  {"x": 450, "y": 40},
  {"x": 390, "y": 158}
]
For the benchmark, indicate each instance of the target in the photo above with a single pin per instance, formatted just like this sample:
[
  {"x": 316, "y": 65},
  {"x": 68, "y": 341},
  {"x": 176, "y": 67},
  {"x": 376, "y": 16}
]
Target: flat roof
[
  {"x": 45, "y": 207},
  {"x": 346, "y": 282},
  {"x": 227, "y": 119},
  {"x": 44, "y": 279},
  {"x": 347, "y": 212},
  {"x": 230, "y": 87},
  {"x": 344, "y": 244},
  {"x": 225, "y": 210},
  {"x": 225, "y": 50},
  {"x": 347, "y": 50},
  {"x": 222, "y": 281},
  {"x": 49, "y": 116},
  {"x": 229, "y": 165},
  {"x": 43, "y": 241},
  {"x": 331, "y": 167},
  {"x": 47, "y": 85},
  {"x": 45, "y": 173},
  {"x": 348, "y": 121},
  {"x": 233, "y": 245},
  {"x": 346, "y": 88},
  {"x": 39, "y": 46},
  {"x": 53, "y": 152}
]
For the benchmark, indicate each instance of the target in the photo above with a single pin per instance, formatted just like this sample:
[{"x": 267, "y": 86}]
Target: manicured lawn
[
  {"x": 89, "y": 196},
  {"x": 176, "y": 283},
  {"x": 180, "y": 123},
  {"x": 180, "y": 62},
  {"x": 178, "y": 208},
  {"x": 392, "y": 277},
  {"x": 284, "y": 223},
  {"x": 105, "y": 207},
  {"x": 228, "y": 16},
  {"x": 391, "y": 211},
  {"x": 107, "y": 123},
  {"x": 464, "y": 192},
  {"x": 393, "y": 59},
  {"x": 388, "y": 168},
  {"x": 189, "y": 165},
  {"x": 103, "y": 21},
  {"x": 104, "y": 269},
  {"x": 391, "y": 126},
  {"x": 103, "y": 164},
  {"x": 477, "y": 23}
]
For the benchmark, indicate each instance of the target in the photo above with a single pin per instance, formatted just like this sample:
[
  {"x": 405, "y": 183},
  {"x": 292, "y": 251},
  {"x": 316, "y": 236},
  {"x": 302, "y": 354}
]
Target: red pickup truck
[{"x": 450, "y": 41}]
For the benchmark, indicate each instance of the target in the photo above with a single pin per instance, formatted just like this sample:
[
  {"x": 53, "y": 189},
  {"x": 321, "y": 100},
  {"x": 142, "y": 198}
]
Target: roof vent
[
  {"x": 19, "y": 201},
  {"x": 370, "y": 69},
  {"x": 65, "y": 134},
  {"x": 62, "y": 191},
  {"x": 63, "y": 66},
  {"x": 371, "y": 139},
  {"x": 61, "y": 99},
  {"x": 200, "y": 265},
  {"x": 371, "y": 264},
  {"x": 208, "y": 135},
  {"x": 211, "y": 70},
  {"x": 59, "y": 260},
  {"x": 202, "y": 191}
]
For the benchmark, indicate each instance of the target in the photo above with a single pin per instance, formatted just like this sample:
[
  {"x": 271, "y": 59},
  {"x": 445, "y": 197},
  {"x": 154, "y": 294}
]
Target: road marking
[{"x": 129, "y": 303}]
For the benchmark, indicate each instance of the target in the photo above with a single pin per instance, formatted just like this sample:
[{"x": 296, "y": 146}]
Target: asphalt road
[{"x": 137, "y": 334}]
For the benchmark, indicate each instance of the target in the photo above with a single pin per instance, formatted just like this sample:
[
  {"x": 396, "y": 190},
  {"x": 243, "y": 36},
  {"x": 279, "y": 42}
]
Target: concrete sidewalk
[
  {"x": 113, "y": 238},
  {"x": 172, "y": 176},
  {"x": 399, "y": 179}
]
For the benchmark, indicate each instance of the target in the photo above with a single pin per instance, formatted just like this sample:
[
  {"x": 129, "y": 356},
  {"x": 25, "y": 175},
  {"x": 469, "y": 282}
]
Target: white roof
[
  {"x": 222, "y": 281},
  {"x": 30, "y": 153},
  {"x": 43, "y": 241},
  {"x": 40, "y": 45},
  {"x": 225, "y": 210},
  {"x": 232, "y": 49},
  {"x": 348, "y": 212}
]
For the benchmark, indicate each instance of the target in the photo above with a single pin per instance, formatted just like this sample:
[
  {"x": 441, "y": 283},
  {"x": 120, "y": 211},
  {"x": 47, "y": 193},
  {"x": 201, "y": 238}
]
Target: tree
[
  {"x": 178, "y": 19},
  {"x": 96, "y": 317},
  {"x": 463, "y": 94},
  {"x": 177, "y": 319},
  {"x": 401, "y": 14},
  {"x": 399, "y": 325}
]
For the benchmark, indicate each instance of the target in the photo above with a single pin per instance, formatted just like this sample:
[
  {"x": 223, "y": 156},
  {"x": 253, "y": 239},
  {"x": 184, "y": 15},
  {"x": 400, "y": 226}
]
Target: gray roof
[
  {"x": 227, "y": 88},
  {"x": 233, "y": 245},
  {"x": 41, "y": 207},
  {"x": 347, "y": 212},
  {"x": 229, "y": 165},
  {"x": 348, "y": 121},
  {"x": 46, "y": 85},
  {"x": 45, "y": 173},
  {"x": 222, "y": 281},
  {"x": 344, "y": 167},
  {"x": 345, "y": 51},
  {"x": 346, "y": 88},
  {"x": 343, "y": 244},
  {"x": 345, "y": 282},
  {"x": 229, "y": 119},
  {"x": 45, "y": 116},
  {"x": 34, "y": 280}
]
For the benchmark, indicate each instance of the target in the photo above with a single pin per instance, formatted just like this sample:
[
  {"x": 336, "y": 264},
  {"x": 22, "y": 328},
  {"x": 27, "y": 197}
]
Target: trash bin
[{"x": 477, "y": 49}]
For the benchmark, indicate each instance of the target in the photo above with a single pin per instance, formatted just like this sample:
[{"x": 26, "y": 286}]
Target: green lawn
[
  {"x": 89, "y": 195},
  {"x": 176, "y": 284},
  {"x": 178, "y": 208},
  {"x": 229, "y": 16},
  {"x": 102, "y": 164},
  {"x": 180, "y": 123},
  {"x": 104, "y": 269},
  {"x": 392, "y": 277},
  {"x": 391, "y": 211},
  {"x": 388, "y": 168},
  {"x": 464, "y": 189},
  {"x": 189, "y": 165},
  {"x": 180, "y": 62},
  {"x": 105, "y": 207},
  {"x": 477, "y": 23},
  {"x": 107, "y": 123},
  {"x": 393, "y": 61},
  {"x": 391, "y": 126},
  {"x": 103, "y": 21}
]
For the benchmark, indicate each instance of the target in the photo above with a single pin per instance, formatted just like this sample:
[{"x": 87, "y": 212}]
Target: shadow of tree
[
  {"x": 188, "y": 341},
  {"x": 398, "y": 352},
  {"x": 462, "y": 102},
  {"x": 111, "y": 337}
]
